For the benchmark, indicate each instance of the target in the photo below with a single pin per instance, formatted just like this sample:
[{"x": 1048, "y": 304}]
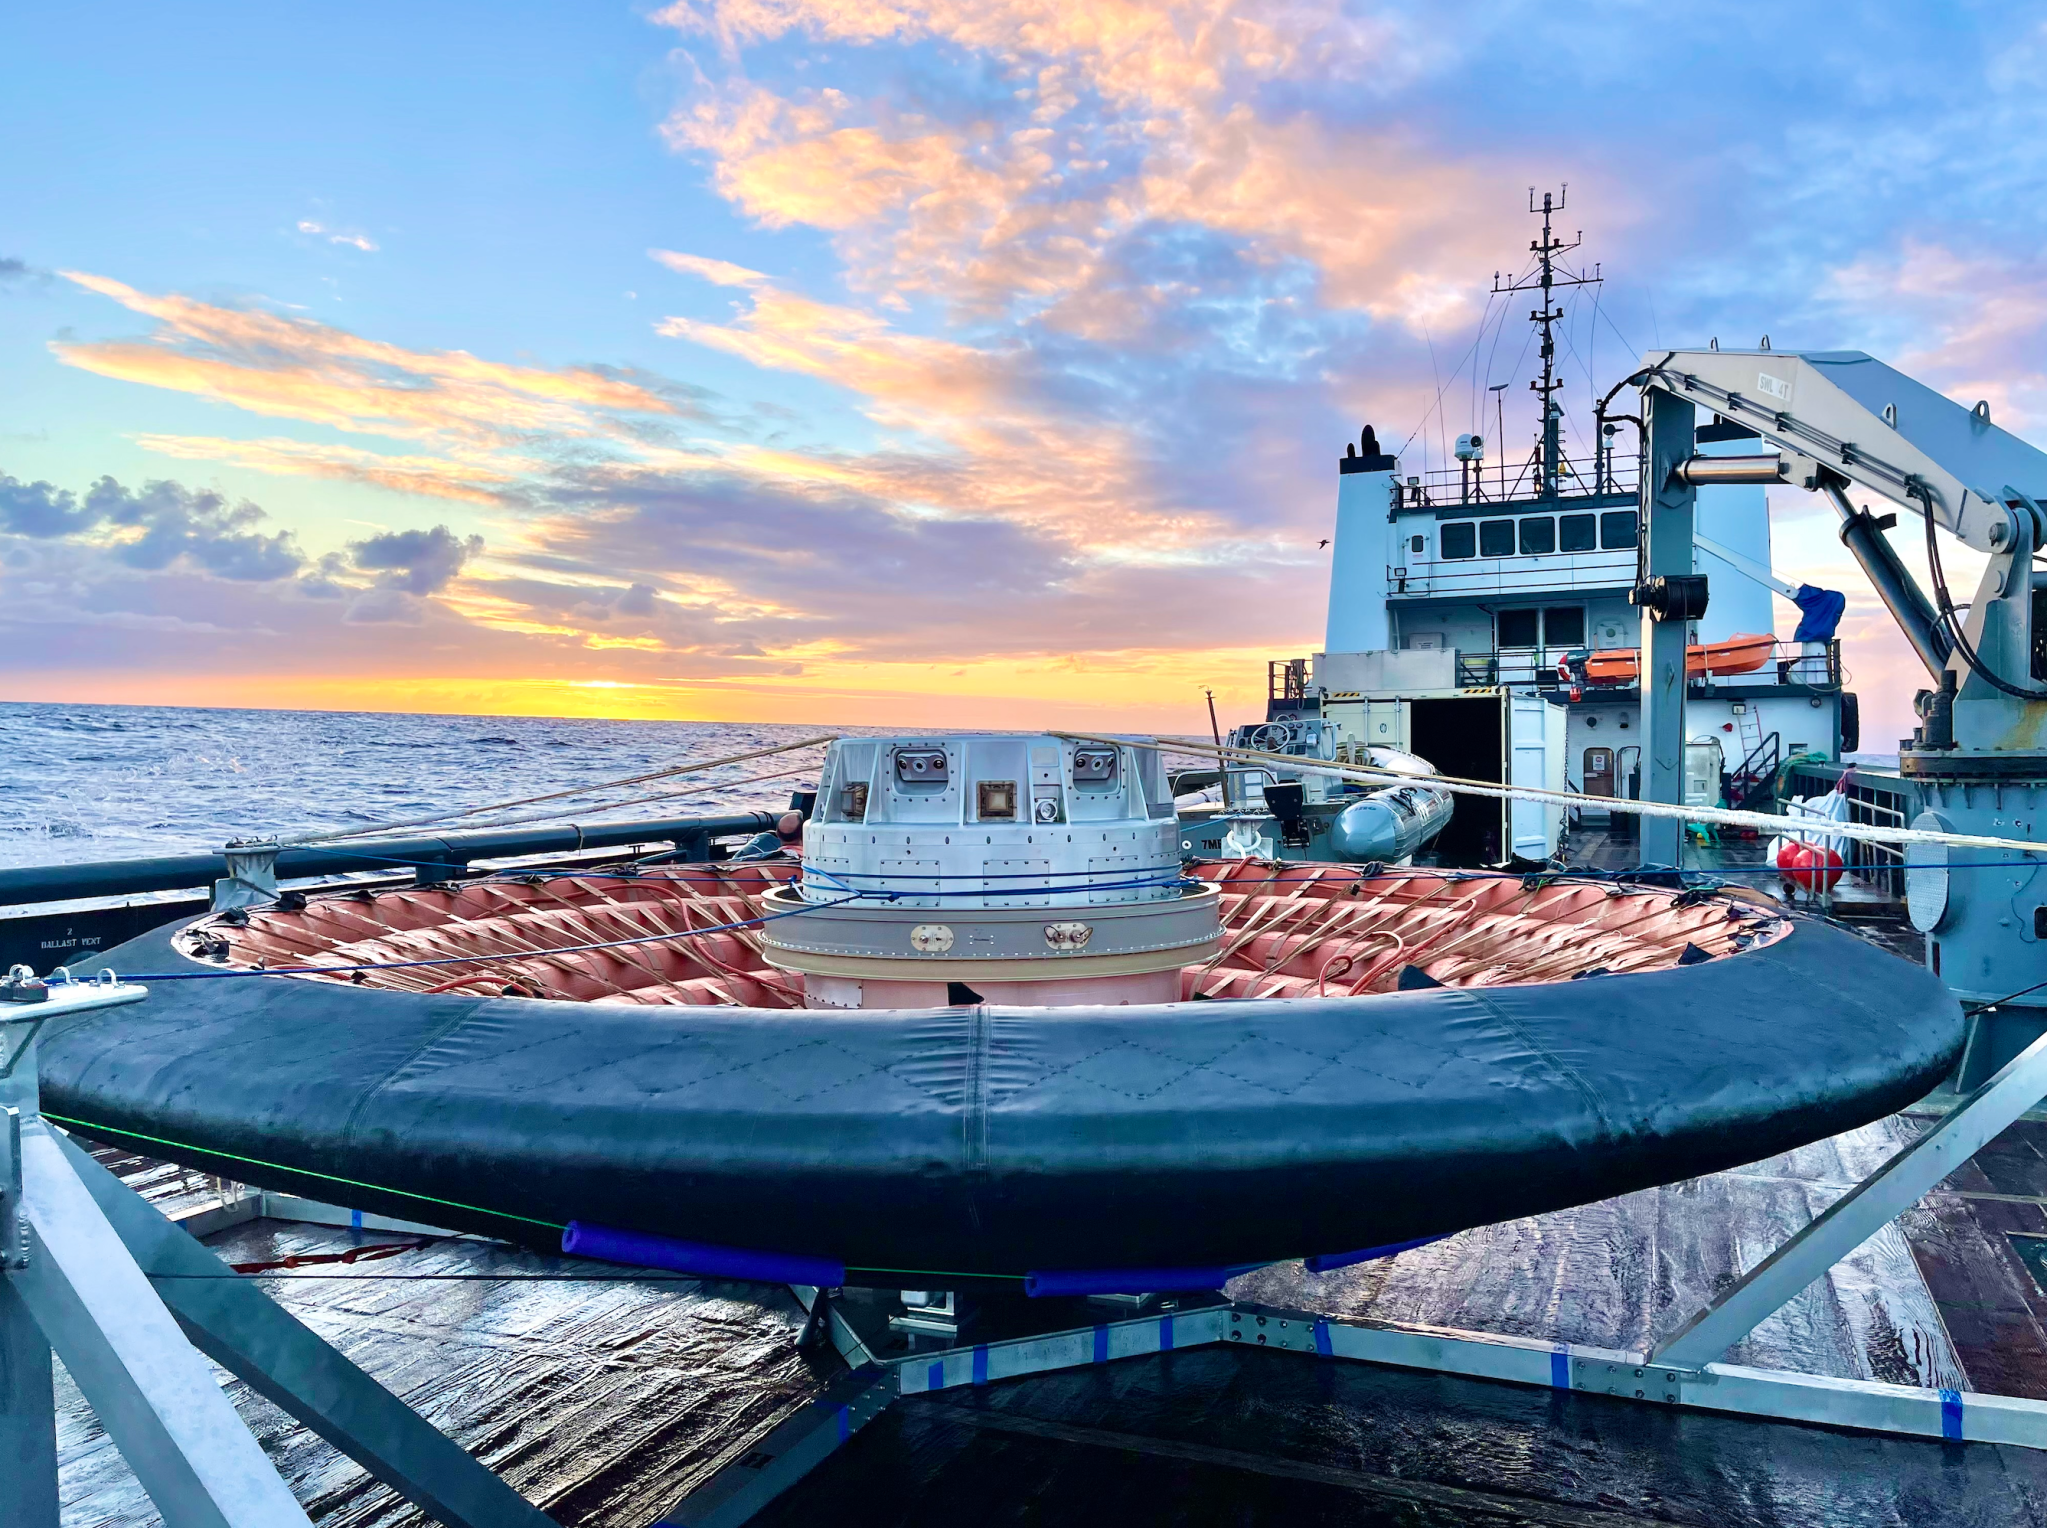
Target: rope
[
  {"x": 586, "y": 790},
  {"x": 479, "y": 956},
  {"x": 1804, "y": 827},
  {"x": 624, "y": 801}
]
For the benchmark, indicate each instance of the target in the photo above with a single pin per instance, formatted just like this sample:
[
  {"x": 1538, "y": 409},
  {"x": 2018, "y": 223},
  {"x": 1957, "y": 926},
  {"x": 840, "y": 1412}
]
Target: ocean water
[{"x": 111, "y": 782}]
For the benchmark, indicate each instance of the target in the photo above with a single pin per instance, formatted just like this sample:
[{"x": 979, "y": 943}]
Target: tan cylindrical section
[
  {"x": 1064, "y": 992},
  {"x": 1702, "y": 470},
  {"x": 975, "y": 972}
]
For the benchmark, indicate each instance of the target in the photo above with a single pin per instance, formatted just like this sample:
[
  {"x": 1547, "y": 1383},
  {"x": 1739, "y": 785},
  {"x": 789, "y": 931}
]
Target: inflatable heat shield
[{"x": 1361, "y": 1063}]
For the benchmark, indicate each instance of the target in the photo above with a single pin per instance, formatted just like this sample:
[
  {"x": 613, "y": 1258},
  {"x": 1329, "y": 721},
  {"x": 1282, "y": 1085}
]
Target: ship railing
[
  {"x": 1477, "y": 671},
  {"x": 1807, "y": 665},
  {"x": 1532, "y": 573},
  {"x": 1811, "y": 665},
  {"x": 1881, "y": 866},
  {"x": 1286, "y": 680},
  {"x": 107, "y": 902},
  {"x": 1480, "y": 483}
]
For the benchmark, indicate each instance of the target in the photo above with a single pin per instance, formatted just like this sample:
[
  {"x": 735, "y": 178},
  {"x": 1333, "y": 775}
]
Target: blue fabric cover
[{"x": 1819, "y": 613}]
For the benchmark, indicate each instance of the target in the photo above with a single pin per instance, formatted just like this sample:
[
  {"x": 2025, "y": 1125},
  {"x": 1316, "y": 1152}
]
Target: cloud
[
  {"x": 473, "y": 481},
  {"x": 1124, "y": 116},
  {"x": 166, "y": 523},
  {"x": 1972, "y": 325},
  {"x": 162, "y": 524},
  {"x": 297, "y": 368},
  {"x": 40, "y": 510},
  {"x": 721, "y": 272},
  {"x": 337, "y": 236},
  {"x": 416, "y": 562}
]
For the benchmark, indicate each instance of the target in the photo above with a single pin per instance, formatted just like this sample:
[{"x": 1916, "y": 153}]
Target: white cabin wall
[{"x": 1357, "y": 564}]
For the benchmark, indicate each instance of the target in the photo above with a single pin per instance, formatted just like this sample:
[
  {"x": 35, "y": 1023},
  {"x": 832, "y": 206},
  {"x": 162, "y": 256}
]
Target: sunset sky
[{"x": 848, "y": 361}]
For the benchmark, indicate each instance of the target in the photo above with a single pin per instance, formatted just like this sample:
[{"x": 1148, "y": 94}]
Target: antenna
[{"x": 1546, "y": 250}]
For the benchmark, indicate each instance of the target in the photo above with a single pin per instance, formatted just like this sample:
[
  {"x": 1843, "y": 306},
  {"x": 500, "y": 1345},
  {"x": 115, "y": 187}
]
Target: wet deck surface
[
  {"x": 602, "y": 1402},
  {"x": 606, "y": 1402},
  {"x": 1229, "y": 1436}
]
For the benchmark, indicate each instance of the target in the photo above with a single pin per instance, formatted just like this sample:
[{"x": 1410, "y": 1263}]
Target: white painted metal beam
[
  {"x": 28, "y": 1419},
  {"x": 247, "y": 1333},
  {"x": 1861, "y": 1212},
  {"x": 150, "y": 1389}
]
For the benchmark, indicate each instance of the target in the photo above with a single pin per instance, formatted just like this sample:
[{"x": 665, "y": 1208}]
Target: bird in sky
[{"x": 1322, "y": 543}]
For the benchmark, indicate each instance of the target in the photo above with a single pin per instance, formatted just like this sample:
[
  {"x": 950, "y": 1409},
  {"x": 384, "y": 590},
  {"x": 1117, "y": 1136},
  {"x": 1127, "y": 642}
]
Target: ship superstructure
[{"x": 1480, "y": 617}]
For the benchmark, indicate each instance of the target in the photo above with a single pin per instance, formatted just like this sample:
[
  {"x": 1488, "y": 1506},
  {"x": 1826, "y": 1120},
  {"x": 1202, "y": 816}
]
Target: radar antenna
[{"x": 1549, "y": 276}]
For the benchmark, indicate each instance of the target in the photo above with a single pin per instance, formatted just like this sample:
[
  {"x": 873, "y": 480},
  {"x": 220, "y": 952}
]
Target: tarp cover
[{"x": 996, "y": 1140}]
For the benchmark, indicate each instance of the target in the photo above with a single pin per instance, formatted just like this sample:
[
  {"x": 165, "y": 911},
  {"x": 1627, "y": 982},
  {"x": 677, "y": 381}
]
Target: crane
[{"x": 1839, "y": 422}]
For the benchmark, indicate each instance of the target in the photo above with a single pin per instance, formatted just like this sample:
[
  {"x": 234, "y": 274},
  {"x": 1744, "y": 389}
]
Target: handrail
[{"x": 179, "y": 872}]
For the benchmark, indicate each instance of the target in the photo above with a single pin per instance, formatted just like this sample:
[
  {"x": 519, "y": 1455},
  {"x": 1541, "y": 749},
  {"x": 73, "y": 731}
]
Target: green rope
[{"x": 90, "y": 1128}]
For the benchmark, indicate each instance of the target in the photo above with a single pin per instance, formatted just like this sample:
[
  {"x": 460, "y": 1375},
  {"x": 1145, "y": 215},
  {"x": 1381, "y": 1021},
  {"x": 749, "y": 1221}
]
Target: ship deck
[{"x": 606, "y": 1396}]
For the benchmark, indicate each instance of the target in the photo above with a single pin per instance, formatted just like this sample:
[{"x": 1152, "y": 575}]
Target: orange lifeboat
[{"x": 1742, "y": 653}]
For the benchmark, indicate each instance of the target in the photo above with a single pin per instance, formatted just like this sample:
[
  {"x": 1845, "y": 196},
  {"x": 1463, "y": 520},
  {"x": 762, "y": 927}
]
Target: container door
[
  {"x": 1528, "y": 757},
  {"x": 1386, "y": 723}
]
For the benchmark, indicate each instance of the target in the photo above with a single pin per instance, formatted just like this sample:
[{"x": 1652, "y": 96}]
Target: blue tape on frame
[
  {"x": 934, "y": 1377},
  {"x": 1166, "y": 1333},
  {"x": 980, "y": 1363},
  {"x": 1101, "y": 1344},
  {"x": 845, "y": 1425},
  {"x": 1322, "y": 1344},
  {"x": 1560, "y": 1369},
  {"x": 1951, "y": 1414}
]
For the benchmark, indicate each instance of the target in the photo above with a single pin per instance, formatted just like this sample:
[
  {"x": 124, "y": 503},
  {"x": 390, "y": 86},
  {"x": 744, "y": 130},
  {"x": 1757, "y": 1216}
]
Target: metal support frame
[
  {"x": 1862, "y": 1212},
  {"x": 130, "y": 1301},
  {"x": 1681, "y": 1371},
  {"x": 1667, "y": 538}
]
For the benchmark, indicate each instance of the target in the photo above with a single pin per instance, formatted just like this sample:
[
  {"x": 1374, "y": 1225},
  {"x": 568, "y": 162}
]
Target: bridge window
[
  {"x": 1564, "y": 626},
  {"x": 1518, "y": 628},
  {"x": 1459, "y": 539},
  {"x": 1496, "y": 538},
  {"x": 1538, "y": 535},
  {"x": 1619, "y": 530},
  {"x": 1578, "y": 533}
]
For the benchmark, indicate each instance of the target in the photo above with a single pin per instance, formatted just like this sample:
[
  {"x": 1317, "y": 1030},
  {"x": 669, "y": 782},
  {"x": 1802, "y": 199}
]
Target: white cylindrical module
[{"x": 999, "y": 867}]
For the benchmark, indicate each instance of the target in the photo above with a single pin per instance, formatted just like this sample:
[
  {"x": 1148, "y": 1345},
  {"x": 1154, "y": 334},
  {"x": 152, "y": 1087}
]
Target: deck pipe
[
  {"x": 641, "y": 1249},
  {"x": 177, "y": 872}
]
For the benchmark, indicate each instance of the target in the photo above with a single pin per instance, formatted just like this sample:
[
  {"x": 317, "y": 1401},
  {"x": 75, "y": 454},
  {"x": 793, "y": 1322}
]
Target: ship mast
[{"x": 1550, "y": 276}]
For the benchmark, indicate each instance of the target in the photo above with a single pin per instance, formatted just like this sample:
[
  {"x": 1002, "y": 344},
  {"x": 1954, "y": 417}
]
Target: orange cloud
[
  {"x": 296, "y": 368},
  {"x": 1009, "y": 450},
  {"x": 1135, "y": 115},
  {"x": 430, "y": 476}
]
